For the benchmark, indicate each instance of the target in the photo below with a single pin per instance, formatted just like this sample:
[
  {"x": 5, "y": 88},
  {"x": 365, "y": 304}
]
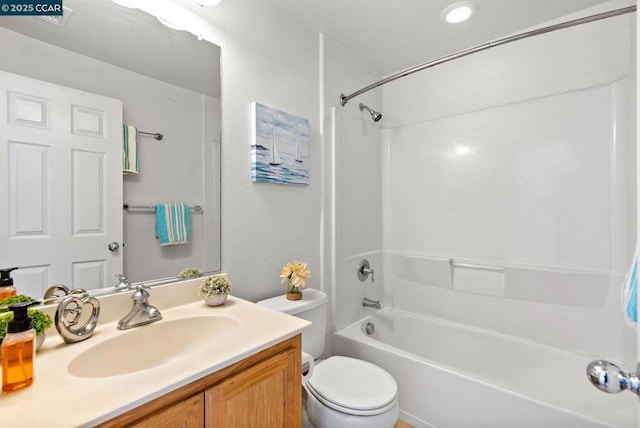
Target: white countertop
[{"x": 60, "y": 399}]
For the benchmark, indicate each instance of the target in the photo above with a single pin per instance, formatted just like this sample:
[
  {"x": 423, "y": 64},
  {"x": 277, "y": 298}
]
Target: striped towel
[
  {"x": 630, "y": 294},
  {"x": 129, "y": 150},
  {"x": 173, "y": 224}
]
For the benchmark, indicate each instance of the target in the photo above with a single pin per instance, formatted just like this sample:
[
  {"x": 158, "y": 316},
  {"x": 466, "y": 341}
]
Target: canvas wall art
[{"x": 280, "y": 147}]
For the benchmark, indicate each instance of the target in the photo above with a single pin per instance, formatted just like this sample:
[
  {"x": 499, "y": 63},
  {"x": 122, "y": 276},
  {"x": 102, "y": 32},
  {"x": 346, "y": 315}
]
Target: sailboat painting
[{"x": 280, "y": 147}]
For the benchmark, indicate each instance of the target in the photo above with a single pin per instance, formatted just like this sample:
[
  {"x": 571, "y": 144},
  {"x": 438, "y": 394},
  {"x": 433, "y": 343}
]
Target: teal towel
[
  {"x": 173, "y": 224},
  {"x": 130, "y": 150}
]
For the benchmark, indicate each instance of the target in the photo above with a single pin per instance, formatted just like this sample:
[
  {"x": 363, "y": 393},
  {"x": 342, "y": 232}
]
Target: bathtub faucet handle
[{"x": 364, "y": 270}]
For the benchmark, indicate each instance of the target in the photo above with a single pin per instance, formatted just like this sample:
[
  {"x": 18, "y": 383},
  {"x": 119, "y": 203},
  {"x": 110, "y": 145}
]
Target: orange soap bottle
[
  {"x": 6, "y": 284},
  {"x": 18, "y": 350}
]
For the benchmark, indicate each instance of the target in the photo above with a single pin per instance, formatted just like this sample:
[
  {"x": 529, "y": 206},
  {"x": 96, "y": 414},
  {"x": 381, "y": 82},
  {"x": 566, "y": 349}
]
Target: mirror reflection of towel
[
  {"x": 130, "y": 150},
  {"x": 173, "y": 224}
]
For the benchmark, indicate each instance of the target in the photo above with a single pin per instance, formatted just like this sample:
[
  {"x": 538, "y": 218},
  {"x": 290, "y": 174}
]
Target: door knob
[
  {"x": 608, "y": 377},
  {"x": 113, "y": 246}
]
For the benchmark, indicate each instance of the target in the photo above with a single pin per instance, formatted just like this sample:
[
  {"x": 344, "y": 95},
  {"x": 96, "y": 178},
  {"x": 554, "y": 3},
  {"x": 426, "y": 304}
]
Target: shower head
[{"x": 375, "y": 115}]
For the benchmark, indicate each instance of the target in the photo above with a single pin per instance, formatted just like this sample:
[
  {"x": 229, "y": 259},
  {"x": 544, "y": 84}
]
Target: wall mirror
[{"x": 71, "y": 216}]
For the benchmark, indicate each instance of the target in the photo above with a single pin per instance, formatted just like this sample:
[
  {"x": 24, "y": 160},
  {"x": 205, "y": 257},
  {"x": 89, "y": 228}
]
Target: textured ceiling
[
  {"x": 392, "y": 35},
  {"x": 389, "y": 35}
]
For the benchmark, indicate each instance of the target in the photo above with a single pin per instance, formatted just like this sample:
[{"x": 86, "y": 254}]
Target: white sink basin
[{"x": 150, "y": 345}]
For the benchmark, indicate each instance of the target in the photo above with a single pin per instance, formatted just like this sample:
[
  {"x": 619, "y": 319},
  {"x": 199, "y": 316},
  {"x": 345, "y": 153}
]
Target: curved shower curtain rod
[{"x": 604, "y": 15}]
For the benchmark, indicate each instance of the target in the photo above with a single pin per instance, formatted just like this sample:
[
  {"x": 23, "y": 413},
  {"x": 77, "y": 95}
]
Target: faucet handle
[
  {"x": 364, "y": 270},
  {"x": 371, "y": 271},
  {"x": 140, "y": 293}
]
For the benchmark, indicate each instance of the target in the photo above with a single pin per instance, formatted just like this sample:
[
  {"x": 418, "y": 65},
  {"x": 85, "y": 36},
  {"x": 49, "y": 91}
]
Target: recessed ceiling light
[{"x": 458, "y": 12}]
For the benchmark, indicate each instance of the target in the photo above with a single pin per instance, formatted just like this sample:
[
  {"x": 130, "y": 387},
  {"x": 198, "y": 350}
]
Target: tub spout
[{"x": 369, "y": 303}]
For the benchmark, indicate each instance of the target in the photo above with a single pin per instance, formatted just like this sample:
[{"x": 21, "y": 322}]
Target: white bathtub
[{"x": 452, "y": 375}]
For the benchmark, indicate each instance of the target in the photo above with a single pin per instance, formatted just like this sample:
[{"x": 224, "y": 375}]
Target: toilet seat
[{"x": 353, "y": 386}]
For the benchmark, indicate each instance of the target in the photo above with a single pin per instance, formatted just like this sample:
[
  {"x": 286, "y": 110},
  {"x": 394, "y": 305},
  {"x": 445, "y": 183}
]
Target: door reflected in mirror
[{"x": 68, "y": 88}]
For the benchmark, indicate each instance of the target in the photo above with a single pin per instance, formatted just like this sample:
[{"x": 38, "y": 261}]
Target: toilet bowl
[
  {"x": 347, "y": 392},
  {"x": 341, "y": 391}
]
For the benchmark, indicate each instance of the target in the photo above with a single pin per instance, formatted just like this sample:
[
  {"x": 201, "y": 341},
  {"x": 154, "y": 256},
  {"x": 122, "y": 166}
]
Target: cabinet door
[
  {"x": 267, "y": 394},
  {"x": 186, "y": 414}
]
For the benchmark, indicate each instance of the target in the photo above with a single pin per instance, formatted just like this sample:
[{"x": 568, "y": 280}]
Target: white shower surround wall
[
  {"x": 541, "y": 193},
  {"x": 521, "y": 157}
]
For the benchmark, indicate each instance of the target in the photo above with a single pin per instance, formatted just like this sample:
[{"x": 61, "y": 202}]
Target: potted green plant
[
  {"x": 4, "y": 304},
  {"x": 41, "y": 322},
  {"x": 190, "y": 272},
  {"x": 215, "y": 289}
]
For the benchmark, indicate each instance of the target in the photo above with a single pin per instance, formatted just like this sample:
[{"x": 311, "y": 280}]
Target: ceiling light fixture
[{"x": 458, "y": 12}]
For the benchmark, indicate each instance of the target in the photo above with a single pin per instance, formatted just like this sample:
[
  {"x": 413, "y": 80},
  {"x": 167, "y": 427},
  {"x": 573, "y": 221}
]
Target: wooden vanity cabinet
[
  {"x": 263, "y": 390},
  {"x": 187, "y": 414}
]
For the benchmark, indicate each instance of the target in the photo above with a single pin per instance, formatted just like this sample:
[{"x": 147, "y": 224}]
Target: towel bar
[
  {"x": 152, "y": 208},
  {"x": 155, "y": 135}
]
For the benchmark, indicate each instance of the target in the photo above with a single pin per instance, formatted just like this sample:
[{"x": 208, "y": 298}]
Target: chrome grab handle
[
  {"x": 608, "y": 377},
  {"x": 113, "y": 246},
  {"x": 364, "y": 269}
]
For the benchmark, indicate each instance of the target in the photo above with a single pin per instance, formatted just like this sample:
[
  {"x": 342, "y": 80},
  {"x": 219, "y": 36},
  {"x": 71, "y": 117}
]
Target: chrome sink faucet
[{"x": 142, "y": 312}]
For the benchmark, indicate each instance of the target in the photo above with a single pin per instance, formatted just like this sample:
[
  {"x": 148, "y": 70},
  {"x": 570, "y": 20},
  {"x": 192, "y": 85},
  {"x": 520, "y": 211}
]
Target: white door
[{"x": 60, "y": 185}]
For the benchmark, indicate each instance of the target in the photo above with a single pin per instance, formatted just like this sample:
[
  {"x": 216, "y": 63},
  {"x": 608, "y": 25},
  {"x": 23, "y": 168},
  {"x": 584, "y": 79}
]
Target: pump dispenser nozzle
[
  {"x": 5, "y": 277},
  {"x": 21, "y": 320}
]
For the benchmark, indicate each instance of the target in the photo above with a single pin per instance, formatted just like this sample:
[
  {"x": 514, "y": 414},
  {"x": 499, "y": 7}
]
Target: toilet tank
[{"x": 312, "y": 307}]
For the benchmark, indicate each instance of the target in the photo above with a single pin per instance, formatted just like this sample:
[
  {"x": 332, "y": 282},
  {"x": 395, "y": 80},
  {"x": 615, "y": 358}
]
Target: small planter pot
[
  {"x": 216, "y": 299},
  {"x": 294, "y": 296},
  {"x": 40, "y": 340},
  {"x": 293, "y": 292}
]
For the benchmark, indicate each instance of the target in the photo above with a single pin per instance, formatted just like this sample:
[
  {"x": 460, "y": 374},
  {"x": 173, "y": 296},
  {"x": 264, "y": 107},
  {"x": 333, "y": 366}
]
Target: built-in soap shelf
[{"x": 531, "y": 283}]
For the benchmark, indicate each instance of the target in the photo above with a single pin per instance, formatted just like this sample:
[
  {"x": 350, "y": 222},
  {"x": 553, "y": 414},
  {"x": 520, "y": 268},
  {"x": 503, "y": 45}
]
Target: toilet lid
[{"x": 348, "y": 383}]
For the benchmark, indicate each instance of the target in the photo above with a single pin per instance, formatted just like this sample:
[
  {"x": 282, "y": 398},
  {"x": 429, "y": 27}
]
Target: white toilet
[{"x": 342, "y": 391}]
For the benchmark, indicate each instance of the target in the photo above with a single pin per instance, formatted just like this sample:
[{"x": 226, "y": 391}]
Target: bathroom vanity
[
  {"x": 261, "y": 390},
  {"x": 233, "y": 365}
]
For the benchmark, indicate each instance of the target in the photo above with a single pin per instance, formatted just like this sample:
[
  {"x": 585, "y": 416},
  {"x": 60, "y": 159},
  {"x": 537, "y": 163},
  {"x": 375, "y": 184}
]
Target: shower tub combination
[
  {"x": 456, "y": 376},
  {"x": 453, "y": 375}
]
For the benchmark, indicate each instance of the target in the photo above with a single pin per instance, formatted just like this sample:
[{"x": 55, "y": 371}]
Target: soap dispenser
[
  {"x": 6, "y": 284},
  {"x": 18, "y": 350}
]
